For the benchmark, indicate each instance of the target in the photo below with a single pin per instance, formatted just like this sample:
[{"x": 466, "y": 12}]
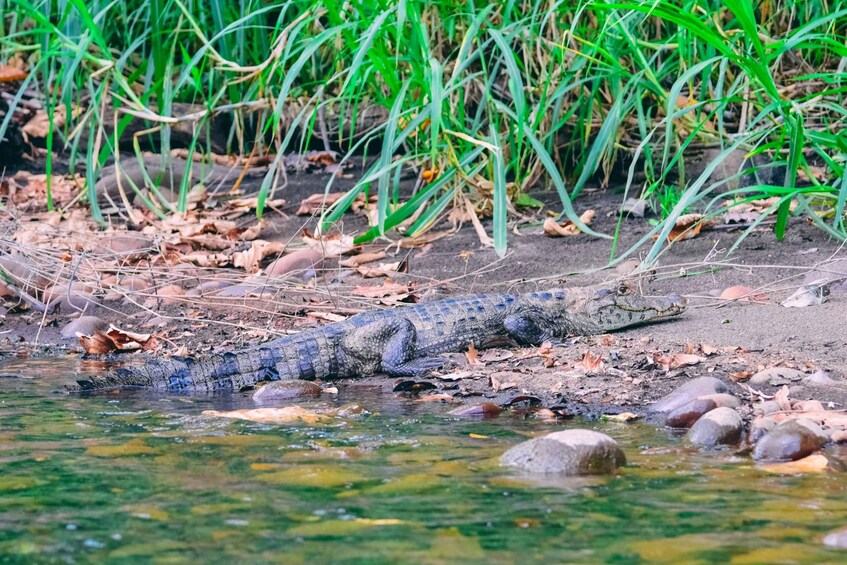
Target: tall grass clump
[{"x": 484, "y": 100}]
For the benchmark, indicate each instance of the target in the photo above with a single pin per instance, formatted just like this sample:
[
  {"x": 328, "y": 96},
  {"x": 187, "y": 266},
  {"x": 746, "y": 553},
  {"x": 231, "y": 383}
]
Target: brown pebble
[
  {"x": 282, "y": 390},
  {"x": 686, "y": 415}
]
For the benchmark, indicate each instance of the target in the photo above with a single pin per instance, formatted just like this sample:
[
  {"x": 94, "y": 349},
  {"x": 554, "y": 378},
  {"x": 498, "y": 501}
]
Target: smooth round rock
[
  {"x": 721, "y": 426},
  {"x": 790, "y": 441},
  {"x": 767, "y": 407},
  {"x": 723, "y": 399},
  {"x": 836, "y": 539},
  {"x": 759, "y": 427},
  {"x": 687, "y": 414},
  {"x": 282, "y": 390},
  {"x": 569, "y": 452},
  {"x": 85, "y": 325},
  {"x": 776, "y": 376},
  {"x": 819, "y": 378},
  {"x": 695, "y": 388}
]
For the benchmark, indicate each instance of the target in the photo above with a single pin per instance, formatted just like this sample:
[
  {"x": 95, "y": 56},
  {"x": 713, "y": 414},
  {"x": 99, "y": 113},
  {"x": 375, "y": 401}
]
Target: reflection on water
[{"x": 137, "y": 476}]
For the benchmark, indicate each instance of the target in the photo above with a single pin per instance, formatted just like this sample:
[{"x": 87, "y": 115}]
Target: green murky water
[{"x": 142, "y": 478}]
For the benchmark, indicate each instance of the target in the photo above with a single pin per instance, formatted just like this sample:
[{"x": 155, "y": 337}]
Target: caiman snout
[{"x": 676, "y": 305}]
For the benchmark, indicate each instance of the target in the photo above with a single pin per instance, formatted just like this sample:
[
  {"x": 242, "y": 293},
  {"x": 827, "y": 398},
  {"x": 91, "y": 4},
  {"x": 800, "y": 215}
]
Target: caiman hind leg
[{"x": 388, "y": 345}]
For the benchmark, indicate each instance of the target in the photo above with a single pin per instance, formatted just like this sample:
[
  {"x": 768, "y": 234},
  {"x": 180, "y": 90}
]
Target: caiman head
[{"x": 604, "y": 308}]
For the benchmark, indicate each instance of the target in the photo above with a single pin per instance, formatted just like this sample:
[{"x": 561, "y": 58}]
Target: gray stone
[
  {"x": 721, "y": 426},
  {"x": 789, "y": 441},
  {"x": 819, "y": 377},
  {"x": 687, "y": 414},
  {"x": 776, "y": 376},
  {"x": 695, "y": 388},
  {"x": 85, "y": 325},
  {"x": 767, "y": 407},
  {"x": 282, "y": 390},
  {"x": 570, "y": 452},
  {"x": 723, "y": 399},
  {"x": 759, "y": 427}
]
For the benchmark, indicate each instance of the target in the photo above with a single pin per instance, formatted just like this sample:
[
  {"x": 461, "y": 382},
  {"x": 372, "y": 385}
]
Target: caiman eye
[{"x": 624, "y": 289}]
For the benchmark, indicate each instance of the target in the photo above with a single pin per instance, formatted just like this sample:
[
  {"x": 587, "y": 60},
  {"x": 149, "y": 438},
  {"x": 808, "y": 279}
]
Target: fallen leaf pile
[{"x": 116, "y": 339}]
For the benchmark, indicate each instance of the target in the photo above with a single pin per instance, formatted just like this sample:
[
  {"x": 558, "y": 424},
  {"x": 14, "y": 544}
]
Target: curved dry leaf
[
  {"x": 116, "y": 339},
  {"x": 259, "y": 249},
  {"x": 329, "y": 245},
  {"x": 383, "y": 269},
  {"x": 9, "y": 73},
  {"x": 687, "y": 226},
  {"x": 555, "y": 229},
  {"x": 362, "y": 258},
  {"x": 395, "y": 291}
]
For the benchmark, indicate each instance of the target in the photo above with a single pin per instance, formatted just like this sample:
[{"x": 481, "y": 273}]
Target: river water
[{"x": 136, "y": 477}]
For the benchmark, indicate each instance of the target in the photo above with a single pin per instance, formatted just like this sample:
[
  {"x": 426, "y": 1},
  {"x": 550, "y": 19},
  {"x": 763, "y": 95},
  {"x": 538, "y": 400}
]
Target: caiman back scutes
[{"x": 402, "y": 341}]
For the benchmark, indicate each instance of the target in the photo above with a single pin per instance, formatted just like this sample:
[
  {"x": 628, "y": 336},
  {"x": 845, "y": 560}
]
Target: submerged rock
[
  {"x": 790, "y": 441},
  {"x": 686, "y": 415},
  {"x": 570, "y": 452},
  {"x": 701, "y": 386},
  {"x": 282, "y": 390},
  {"x": 721, "y": 426},
  {"x": 760, "y": 426}
]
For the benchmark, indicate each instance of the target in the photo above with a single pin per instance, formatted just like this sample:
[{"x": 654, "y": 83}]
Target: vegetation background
[{"x": 482, "y": 100}]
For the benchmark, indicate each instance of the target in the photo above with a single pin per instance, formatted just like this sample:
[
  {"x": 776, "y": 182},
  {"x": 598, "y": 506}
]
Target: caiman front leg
[{"x": 388, "y": 345}]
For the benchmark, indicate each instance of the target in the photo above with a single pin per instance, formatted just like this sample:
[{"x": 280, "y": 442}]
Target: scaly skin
[{"x": 402, "y": 342}]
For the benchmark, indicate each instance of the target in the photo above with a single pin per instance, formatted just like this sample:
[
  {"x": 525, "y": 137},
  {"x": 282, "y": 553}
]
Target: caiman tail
[{"x": 296, "y": 356}]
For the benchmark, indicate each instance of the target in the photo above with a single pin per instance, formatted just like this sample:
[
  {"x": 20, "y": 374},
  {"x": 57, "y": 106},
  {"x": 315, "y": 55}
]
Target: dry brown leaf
[
  {"x": 498, "y": 384},
  {"x": 362, "y": 258},
  {"x": 329, "y": 245},
  {"x": 394, "y": 290},
  {"x": 781, "y": 398},
  {"x": 472, "y": 355},
  {"x": 8, "y": 73},
  {"x": 317, "y": 202},
  {"x": 591, "y": 363},
  {"x": 568, "y": 228},
  {"x": 688, "y": 226},
  {"x": 249, "y": 259},
  {"x": 383, "y": 269},
  {"x": 707, "y": 349},
  {"x": 740, "y": 375},
  {"x": 816, "y": 463},
  {"x": 422, "y": 240},
  {"x": 282, "y": 415},
  {"x": 676, "y": 360},
  {"x": 484, "y": 238},
  {"x": 326, "y": 316},
  {"x": 116, "y": 339},
  {"x": 39, "y": 125}
]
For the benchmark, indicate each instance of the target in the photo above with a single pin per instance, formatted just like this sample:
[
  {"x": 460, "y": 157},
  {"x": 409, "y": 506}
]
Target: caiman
[{"x": 402, "y": 342}]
